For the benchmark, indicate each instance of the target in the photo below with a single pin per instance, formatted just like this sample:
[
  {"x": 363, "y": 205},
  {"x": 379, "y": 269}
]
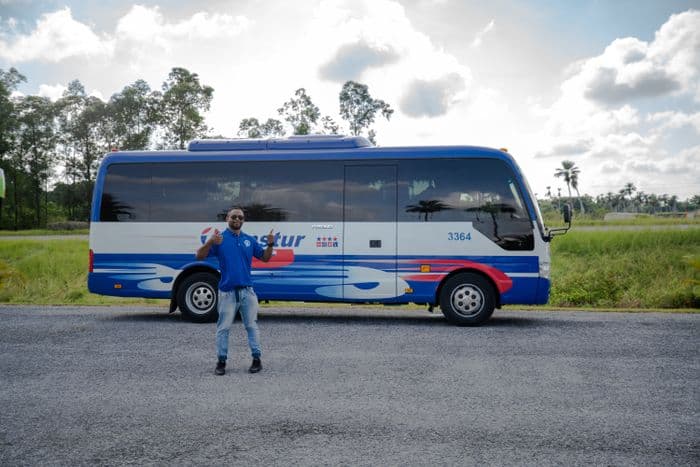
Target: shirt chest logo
[{"x": 246, "y": 242}]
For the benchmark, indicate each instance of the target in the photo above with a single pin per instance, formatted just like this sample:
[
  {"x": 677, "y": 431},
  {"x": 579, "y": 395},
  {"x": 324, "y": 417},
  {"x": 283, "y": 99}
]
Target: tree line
[
  {"x": 627, "y": 199},
  {"x": 50, "y": 150}
]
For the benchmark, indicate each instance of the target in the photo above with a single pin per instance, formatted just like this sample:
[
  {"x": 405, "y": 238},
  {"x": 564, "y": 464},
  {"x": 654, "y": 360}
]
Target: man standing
[{"x": 235, "y": 250}]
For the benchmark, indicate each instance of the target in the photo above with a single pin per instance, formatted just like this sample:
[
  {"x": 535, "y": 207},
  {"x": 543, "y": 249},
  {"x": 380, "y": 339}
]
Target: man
[{"x": 235, "y": 250}]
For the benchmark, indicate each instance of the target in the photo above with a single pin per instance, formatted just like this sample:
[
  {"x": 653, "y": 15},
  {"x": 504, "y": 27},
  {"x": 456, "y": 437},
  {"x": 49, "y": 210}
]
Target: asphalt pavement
[{"x": 349, "y": 385}]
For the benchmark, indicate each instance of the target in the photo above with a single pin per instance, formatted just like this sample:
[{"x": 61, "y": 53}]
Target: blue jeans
[{"x": 245, "y": 300}]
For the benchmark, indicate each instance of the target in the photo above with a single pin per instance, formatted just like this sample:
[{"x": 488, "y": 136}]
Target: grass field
[
  {"x": 630, "y": 269},
  {"x": 49, "y": 272},
  {"x": 29, "y": 233},
  {"x": 611, "y": 270},
  {"x": 553, "y": 219}
]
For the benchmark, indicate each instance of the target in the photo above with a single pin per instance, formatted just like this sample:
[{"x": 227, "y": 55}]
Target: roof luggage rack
[{"x": 289, "y": 143}]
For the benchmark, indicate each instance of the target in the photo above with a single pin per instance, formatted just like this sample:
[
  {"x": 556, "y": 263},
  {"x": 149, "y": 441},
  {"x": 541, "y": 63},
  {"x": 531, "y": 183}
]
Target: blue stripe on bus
[{"x": 153, "y": 275}]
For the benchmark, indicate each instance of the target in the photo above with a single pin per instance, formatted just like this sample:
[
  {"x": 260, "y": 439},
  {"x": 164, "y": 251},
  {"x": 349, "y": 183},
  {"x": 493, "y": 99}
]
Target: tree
[
  {"x": 133, "y": 112},
  {"x": 252, "y": 128},
  {"x": 8, "y": 119},
  {"x": 300, "y": 112},
  {"x": 359, "y": 109},
  {"x": 179, "y": 111},
  {"x": 694, "y": 202},
  {"x": 627, "y": 190},
  {"x": 86, "y": 132},
  {"x": 568, "y": 171},
  {"x": 36, "y": 145},
  {"x": 329, "y": 126},
  {"x": 86, "y": 135},
  {"x": 574, "y": 185},
  {"x": 8, "y": 83}
]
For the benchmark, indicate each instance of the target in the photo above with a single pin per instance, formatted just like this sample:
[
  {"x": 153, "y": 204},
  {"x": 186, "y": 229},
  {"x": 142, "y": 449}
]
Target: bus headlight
[{"x": 544, "y": 269}]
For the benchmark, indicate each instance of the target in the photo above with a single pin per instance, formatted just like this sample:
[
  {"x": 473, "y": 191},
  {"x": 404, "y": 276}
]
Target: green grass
[
  {"x": 50, "y": 273},
  {"x": 27, "y": 233},
  {"x": 553, "y": 219},
  {"x": 630, "y": 270}
]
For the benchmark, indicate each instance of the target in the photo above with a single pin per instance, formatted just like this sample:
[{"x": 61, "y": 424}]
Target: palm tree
[
  {"x": 559, "y": 198},
  {"x": 641, "y": 200},
  {"x": 673, "y": 199},
  {"x": 627, "y": 190},
  {"x": 653, "y": 203},
  {"x": 574, "y": 184},
  {"x": 569, "y": 172},
  {"x": 427, "y": 207}
]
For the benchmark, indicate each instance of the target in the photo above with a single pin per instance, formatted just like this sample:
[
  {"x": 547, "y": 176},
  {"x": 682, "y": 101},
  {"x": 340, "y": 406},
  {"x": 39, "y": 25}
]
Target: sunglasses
[{"x": 236, "y": 216}]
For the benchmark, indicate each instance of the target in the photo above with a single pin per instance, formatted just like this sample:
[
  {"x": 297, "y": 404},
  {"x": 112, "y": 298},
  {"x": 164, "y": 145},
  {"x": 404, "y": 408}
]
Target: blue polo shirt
[{"x": 235, "y": 256}]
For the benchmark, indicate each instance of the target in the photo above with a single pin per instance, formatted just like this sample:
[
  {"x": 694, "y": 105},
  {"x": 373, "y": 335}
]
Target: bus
[{"x": 451, "y": 226}]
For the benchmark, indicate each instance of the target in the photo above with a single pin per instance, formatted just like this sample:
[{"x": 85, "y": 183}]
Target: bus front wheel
[
  {"x": 467, "y": 299},
  {"x": 197, "y": 297}
]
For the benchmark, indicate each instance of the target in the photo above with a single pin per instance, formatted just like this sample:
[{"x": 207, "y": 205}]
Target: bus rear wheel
[
  {"x": 467, "y": 299},
  {"x": 197, "y": 297}
]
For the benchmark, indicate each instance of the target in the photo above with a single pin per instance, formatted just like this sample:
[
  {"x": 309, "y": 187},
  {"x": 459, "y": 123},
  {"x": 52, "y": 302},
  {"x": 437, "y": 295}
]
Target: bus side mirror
[{"x": 567, "y": 213}]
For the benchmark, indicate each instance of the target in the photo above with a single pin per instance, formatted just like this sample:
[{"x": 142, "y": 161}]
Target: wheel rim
[
  {"x": 467, "y": 300},
  {"x": 200, "y": 298}
]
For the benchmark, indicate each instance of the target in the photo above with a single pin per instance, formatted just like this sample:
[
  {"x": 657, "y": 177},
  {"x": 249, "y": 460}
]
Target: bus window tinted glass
[
  {"x": 370, "y": 193},
  {"x": 267, "y": 191},
  {"x": 125, "y": 196},
  {"x": 482, "y": 191},
  {"x": 191, "y": 192},
  {"x": 303, "y": 191}
]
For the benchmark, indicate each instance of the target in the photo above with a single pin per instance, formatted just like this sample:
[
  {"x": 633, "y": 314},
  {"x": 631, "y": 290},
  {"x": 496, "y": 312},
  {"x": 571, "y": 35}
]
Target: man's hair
[{"x": 235, "y": 208}]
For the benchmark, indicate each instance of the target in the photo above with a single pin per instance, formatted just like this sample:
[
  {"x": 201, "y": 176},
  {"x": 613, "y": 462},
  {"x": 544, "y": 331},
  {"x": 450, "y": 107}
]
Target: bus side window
[{"x": 125, "y": 195}]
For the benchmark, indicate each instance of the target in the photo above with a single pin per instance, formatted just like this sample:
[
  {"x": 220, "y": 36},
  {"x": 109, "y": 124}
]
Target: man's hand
[
  {"x": 216, "y": 238},
  {"x": 267, "y": 254}
]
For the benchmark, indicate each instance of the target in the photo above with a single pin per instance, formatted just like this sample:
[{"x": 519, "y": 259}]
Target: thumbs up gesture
[{"x": 216, "y": 237}]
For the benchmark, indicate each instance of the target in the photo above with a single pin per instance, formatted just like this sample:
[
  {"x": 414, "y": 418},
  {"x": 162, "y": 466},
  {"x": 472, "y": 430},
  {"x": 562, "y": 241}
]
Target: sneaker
[
  {"x": 220, "y": 367},
  {"x": 255, "y": 366}
]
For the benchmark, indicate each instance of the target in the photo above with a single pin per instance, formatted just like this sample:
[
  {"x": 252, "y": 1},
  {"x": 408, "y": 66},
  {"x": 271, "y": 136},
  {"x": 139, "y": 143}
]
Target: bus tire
[
  {"x": 197, "y": 297},
  {"x": 467, "y": 299}
]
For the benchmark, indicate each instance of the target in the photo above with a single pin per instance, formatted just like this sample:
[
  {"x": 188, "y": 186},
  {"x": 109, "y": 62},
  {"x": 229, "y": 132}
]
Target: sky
[{"x": 612, "y": 85}]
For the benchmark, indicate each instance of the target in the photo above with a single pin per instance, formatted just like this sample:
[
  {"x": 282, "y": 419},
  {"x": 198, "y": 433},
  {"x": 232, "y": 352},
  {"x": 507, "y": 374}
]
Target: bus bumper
[{"x": 542, "y": 295}]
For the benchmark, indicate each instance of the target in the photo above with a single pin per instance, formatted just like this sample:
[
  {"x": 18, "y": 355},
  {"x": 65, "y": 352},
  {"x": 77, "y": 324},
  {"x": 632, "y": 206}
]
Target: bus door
[{"x": 369, "y": 232}]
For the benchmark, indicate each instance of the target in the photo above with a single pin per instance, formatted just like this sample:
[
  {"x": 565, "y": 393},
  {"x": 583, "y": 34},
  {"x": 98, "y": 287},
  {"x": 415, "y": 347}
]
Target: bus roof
[{"x": 316, "y": 147}]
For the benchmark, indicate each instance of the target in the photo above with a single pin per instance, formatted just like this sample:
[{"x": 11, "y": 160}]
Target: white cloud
[
  {"x": 57, "y": 36},
  {"x": 601, "y": 104},
  {"x": 630, "y": 68},
  {"x": 567, "y": 148},
  {"x": 351, "y": 60},
  {"x": 53, "y": 92},
  {"x": 414, "y": 75},
  {"x": 147, "y": 26},
  {"x": 146, "y": 40},
  {"x": 479, "y": 37},
  {"x": 672, "y": 120},
  {"x": 432, "y": 98}
]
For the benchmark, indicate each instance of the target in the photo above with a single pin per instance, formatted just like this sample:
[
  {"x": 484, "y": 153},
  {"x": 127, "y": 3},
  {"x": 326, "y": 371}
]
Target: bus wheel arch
[
  {"x": 195, "y": 292},
  {"x": 468, "y": 297}
]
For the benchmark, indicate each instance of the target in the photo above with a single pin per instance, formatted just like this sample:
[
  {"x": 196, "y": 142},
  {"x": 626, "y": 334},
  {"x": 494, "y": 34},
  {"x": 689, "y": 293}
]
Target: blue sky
[{"x": 611, "y": 85}]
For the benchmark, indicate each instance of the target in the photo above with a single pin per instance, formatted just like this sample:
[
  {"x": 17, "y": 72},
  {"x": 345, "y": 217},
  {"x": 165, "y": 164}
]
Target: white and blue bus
[{"x": 451, "y": 226}]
